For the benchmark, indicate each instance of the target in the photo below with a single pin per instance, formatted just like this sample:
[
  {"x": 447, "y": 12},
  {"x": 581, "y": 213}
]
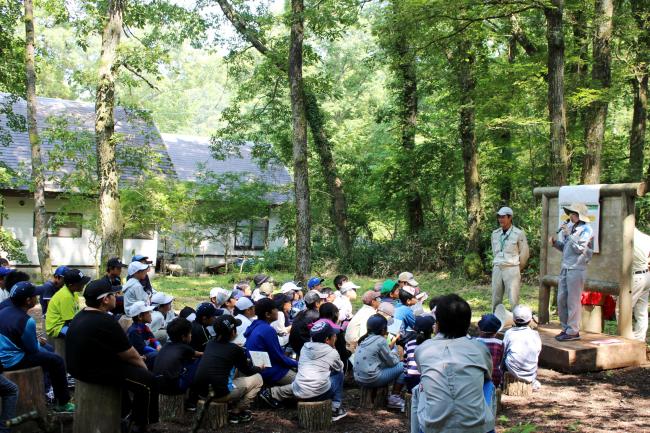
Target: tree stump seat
[
  {"x": 99, "y": 408},
  {"x": 315, "y": 415},
  {"x": 373, "y": 398},
  {"x": 171, "y": 407},
  {"x": 215, "y": 416},
  {"x": 408, "y": 400},
  {"x": 515, "y": 387},
  {"x": 31, "y": 411}
]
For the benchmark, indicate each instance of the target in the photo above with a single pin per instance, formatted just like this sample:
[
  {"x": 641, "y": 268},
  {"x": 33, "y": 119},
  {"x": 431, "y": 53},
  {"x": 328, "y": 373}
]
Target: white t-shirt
[
  {"x": 641, "y": 251},
  {"x": 245, "y": 323},
  {"x": 344, "y": 305}
]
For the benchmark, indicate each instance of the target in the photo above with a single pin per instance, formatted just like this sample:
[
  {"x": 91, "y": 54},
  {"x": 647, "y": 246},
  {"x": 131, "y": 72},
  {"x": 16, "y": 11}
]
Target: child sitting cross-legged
[
  {"x": 488, "y": 327},
  {"x": 139, "y": 334},
  {"x": 320, "y": 369},
  {"x": 521, "y": 347},
  {"x": 375, "y": 365}
]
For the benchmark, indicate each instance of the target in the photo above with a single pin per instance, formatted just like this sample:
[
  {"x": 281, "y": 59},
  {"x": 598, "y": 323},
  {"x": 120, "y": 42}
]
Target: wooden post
[
  {"x": 625, "y": 279},
  {"x": 544, "y": 290},
  {"x": 592, "y": 318},
  {"x": 99, "y": 408},
  {"x": 408, "y": 398},
  {"x": 171, "y": 407},
  {"x": 315, "y": 416},
  {"x": 374, "y": 398},
  {"x": 216, "y": 415},
  {"x": 515, "y": 387}
]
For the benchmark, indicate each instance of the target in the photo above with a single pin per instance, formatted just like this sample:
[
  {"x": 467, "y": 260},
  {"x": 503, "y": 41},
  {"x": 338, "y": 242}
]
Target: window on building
[
  {"x": 63, "y": 225},
  {"x": 251, "y": 235}
]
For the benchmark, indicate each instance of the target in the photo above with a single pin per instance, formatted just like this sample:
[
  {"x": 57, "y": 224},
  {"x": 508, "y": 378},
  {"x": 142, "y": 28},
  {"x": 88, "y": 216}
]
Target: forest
[{"x": 405, "y": 123}]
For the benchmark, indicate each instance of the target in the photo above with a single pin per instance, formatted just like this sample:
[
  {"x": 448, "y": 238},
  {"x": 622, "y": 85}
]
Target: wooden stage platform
[{"x": 591, "y": 353}]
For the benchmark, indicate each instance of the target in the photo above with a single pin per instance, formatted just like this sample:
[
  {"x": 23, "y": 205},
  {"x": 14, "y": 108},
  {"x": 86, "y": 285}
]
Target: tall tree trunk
[
  {"x": 465, "y": 62},
  {"x": 315, "y": 118},
  {"x": 110, "y": 215},
  {"x": 38, "y": 175},
  {"x": 641, "y": 11},
  {"x": 408, "y": 114},
  {"x": 556, "y": 109},
  {"x": 299, "y": 124},
  {"x": 601, "y": 77}
]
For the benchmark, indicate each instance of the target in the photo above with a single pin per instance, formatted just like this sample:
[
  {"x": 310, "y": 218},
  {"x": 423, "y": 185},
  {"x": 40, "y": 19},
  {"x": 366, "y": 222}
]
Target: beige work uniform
[{"x": 511, "y": 253}]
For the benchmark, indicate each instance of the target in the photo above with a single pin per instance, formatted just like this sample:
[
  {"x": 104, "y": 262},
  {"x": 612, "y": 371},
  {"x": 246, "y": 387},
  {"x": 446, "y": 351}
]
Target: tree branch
[{"x": 137, "y": 74}]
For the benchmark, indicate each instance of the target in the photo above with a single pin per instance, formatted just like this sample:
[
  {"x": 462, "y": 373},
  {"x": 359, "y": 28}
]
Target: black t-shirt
[
  {"x": 200, "y": 337},
  {"x": 92, "y": 343},
  {"x": 170, "y": 363},
  {"x": 216, "y": 366},
  {"x": 299, "y": 334}
]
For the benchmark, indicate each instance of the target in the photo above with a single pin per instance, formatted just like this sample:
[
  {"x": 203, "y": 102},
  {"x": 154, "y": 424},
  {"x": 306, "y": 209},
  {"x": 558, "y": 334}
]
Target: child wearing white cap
[
  {"x": 162, "y": 314},
  {"x": 245, "y": 313},
  {"x": 521, "y": 347},
  {"x": 139, "y": 334}
]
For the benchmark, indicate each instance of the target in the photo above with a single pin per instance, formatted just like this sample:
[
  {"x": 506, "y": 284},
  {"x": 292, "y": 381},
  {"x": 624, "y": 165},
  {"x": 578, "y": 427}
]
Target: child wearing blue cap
[{"x": 50, "y": 287}]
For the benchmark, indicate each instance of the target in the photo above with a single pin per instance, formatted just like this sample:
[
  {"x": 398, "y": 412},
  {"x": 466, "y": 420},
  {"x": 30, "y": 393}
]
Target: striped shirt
[
  {"x": 410, "y": 366},
  {"x": 495, "y": 346}
]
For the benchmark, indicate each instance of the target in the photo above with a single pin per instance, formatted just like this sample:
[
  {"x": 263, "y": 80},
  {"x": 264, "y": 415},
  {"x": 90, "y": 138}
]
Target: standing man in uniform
[
  {"x": 576, "y": 247},
  {"x": 510, "y": 251},
  {"x": 640, "y": 285}
]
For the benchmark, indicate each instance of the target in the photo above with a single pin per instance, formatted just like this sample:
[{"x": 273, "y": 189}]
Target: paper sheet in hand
[
  {"x": 260, "y": 359},
  {"x": 395, "y": 327}
]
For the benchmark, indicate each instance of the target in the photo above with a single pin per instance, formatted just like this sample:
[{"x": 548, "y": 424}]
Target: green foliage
[
  {"x": 473, "y": 266},
  {"x": 12, "y": 246}
]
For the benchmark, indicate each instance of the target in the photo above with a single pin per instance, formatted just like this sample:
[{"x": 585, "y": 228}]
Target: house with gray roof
[{"x": 169, "y": 155}]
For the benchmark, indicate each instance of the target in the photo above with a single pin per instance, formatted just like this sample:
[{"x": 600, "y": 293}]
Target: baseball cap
[
  {"x": 424, "y": 323},
  {"x": 136, "y": 267},
  {"x": 225, "y": 324},
  {"x": 4, "y": 271},
  {"x": 314, "y": 296},
  {"x": 139, "y": 307},
  {"x": 259, "y": 279},
  {"x": 370, "y": 296},
  {"x": 206, "y": 309},
  {"x": 376, "y": 324},
  {"x": 22, "y": 290},
  {"x": 289, "y": 286},
  {"x": 321, "y": 330},
  {"x": 244, "y": 303},
  {"x": 489, "y": 323},
  {"x": 159, "y": 298},
  {"x": 280, "y": 299},
  {"x": 387, "y": 308},
  {"x": 140, "y": 257},
  {"x": 407, "y": 277},
  {"x": 522, "y": 314},
  {"x": 314, "y": 281},
  {"x": 505, "y": 210},
  {"x": 97, "y": 289},
  {"x": 221, "y": 294},
  {"x": 347, "y": 286},
  {"x": 409, "y": 289},
  {"x": 60, "y": 271},
  {"x": 387, "y": 287},
  {"x": 188, "y": 313},
  {"x": 266, "y": 288},
  {"x": 236, "y": 293},
  {"x": 115, "y": 263},
  {"x": 74, "y": 276}
]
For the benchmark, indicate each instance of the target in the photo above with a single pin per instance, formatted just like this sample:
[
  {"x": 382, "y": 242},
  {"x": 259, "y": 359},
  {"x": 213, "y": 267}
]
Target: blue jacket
[
  {"x": 17, "y": 335},
  {"x": 406, "y": 315},
  {"x": 261, "y": 337}
]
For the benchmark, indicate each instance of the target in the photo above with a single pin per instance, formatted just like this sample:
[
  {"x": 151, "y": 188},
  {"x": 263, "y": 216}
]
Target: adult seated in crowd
[
  {"x": 8, "y": 398},
  {"x": 320, "y": 369},
  {"x": 50, "y": 287},
  {"x": 343, "y": 301},
  {"x": 521, "y": 347},
  {"x": 245, "y": 313},
  {"x": 98, "y": 351},
  {"x": 299, "y": 334},
  {"x": 4, "y": 291},
  {"x": 205, "y": 316},
  {"x": 357, "y": 326},
  {"x": 453, "y": 370},
  {"x": 389, "y": 291},
  {"x": 114, "y": 276},
  {"x": 161, "y": 316},
  {"x": 261, "y": 337},
  {"x": 20, "y": 347},
  {"x": 217, "y": 369},
  {"x": 139, "y": 334},
  {"x": 375, "y": 365},
  {"x": 176, "y": 363},
  {"x": 134, "y": 290},
  {"x": 65, "y": 303}
]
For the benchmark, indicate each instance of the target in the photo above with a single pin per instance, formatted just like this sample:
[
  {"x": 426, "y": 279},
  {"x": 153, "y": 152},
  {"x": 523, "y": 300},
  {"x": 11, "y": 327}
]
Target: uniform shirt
[
  {"x": 576, "y": 247},
  {"x": 510, "y": 248},
  {"x": 61, "y": 310},
  {"x": 641, "y": 251}
]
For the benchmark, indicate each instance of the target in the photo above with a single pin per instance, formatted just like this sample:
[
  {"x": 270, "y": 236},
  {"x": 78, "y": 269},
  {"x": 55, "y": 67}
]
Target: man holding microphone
[{"x": 576, "y": 246}]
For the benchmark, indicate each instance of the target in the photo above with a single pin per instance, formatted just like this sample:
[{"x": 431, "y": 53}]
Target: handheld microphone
[{"x": 561, "y": 227}]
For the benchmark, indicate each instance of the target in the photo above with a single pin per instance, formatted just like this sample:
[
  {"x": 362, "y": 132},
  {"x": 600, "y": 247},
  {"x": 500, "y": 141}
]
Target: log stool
[
  {"x": 99, "y": 408},
  {"x": 408, "y": 398},
  {"x": 59, "y": 347},
  {"x": 31, "y": 397},
  {"x": 499, "y": 406},
  {"x": 515, "y": 387},
  {"x": 171, "y": 407},
  {"x": 374, "y": 398},
  {"x": 215, "y": 416},
  {"x": 315, "y": 416}
]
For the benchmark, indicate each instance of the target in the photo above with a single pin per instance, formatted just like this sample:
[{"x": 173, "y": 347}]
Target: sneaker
[
  {"x": 71, "y": 381},
  {"x": 190, "y": 406},
  {"x": 265, "y": 395},
  {"x": 233, "y": 418},
  {"x": 395, "y": 402},
  {"x": 536, "y": 385},
  {"x": 245, "y": 416},
  {"x": 560, "y": 335},
  {"x": 338, "y": 413},
  {"x": 64, "y": 408},
  {"x": 568, "y": 337}
]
